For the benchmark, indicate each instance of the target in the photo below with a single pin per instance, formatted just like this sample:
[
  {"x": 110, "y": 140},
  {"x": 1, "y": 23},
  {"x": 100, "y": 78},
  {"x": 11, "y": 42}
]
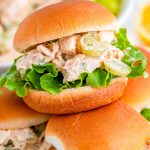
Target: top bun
[
  {"x": 15, "y": 114},
  {"x": 61, "y": 20}
]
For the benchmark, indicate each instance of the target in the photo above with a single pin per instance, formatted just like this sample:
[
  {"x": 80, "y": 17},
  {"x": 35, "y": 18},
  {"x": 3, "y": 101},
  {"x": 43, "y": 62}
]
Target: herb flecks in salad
[{"x": 86, "y": 59}]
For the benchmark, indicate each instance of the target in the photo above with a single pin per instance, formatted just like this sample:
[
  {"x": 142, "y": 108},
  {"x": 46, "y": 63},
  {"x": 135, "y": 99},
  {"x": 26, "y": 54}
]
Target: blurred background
[{"x": 132, "y": 14}]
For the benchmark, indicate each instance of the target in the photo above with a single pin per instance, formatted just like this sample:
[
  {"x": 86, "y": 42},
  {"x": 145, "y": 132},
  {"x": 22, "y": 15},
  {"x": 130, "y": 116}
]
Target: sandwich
[
  {"x": 20, "y": 127},
  {"x": 137, "y": 93},
  {"x": 112, "y": 127},
  {"x": 74, "y": 58}
]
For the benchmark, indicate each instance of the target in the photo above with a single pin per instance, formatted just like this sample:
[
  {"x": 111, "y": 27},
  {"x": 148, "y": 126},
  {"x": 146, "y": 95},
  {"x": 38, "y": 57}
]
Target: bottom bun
[
  {"x": 113, "y": 127},
  {"x": 75, "y": 100},
  {"x": 14, "y": 114}
]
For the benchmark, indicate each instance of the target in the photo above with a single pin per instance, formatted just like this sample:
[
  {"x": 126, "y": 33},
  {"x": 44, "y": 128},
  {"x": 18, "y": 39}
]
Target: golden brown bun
[
  {"x": 75, "y": 100},
  {"x": 15, "y": 114},
  {"x": 137, "y": 92},
  {"x": 113, "y": 127},
  {"x": 60, "y": 20}
]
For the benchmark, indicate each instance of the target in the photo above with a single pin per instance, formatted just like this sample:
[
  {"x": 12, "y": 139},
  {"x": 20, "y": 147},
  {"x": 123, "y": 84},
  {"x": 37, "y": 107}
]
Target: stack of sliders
[
  {"x": 75, "y": 60},
  {"x": 113, "y": 127}
]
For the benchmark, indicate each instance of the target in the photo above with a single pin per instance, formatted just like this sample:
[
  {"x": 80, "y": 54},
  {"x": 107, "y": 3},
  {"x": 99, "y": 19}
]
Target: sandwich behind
[
  {"x": 20, "y": 127},
  {"x": 112, "y": 127},
  {"x": 15, "y": 114}
]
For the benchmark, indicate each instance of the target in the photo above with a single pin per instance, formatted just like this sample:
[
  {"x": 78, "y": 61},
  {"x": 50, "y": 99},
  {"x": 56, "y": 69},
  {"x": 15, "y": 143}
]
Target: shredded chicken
[
  {"x": 68, "y": 45},
  {"x": 65, "y": 55},
  {"x": 41, "y": 56},
  {"x": 45, "y": 146},
  {"x": 107, "y": 36},
  {"x": 24, "y": 139},
  {"x": 73, "y": 67},
  {"x": 33, "y": 57},
  {"x": 112, "y": 52},
  {"x": 80, "y": 64},
  {"x": 17, "y": 139}
]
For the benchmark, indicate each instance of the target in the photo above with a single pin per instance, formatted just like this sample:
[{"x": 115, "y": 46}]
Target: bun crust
[
  {"x": 113, "y": 127},
  {"x": 61, "y": 20},
  {"x": 137, "y": 92},
  {"x": 15, "y": 114},
  {"x": 75, "y": 100}
]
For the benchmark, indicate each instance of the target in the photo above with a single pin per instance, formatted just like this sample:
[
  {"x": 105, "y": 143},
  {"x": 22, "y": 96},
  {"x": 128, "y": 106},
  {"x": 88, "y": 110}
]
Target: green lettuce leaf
[
  {"x": 132, "y": 56},
  {"x": 13, "y": 82},
  {"x": 34, "y": 78},
  {"x": 48, "y": 67},
  {"x": 146, "y": 113},
  {"x": 98, "y": 78},
  {"x": 77, "y": 83},
  {"x": 50, "y": 84},
  {"x": 46, "y": 77},
  {"x": 122, "y": 41}
]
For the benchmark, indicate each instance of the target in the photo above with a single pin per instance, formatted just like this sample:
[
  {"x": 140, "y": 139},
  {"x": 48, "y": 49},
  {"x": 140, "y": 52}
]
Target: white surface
[
  {"x": 4, "y": 67},
  {"x": 127, "y": 9}
]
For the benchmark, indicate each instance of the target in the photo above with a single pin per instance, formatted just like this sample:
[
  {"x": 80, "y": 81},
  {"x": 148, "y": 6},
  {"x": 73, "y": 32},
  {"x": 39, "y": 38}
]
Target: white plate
[
  {"x": 127, "y": 9},
  {"x": 4, "y": 67}
]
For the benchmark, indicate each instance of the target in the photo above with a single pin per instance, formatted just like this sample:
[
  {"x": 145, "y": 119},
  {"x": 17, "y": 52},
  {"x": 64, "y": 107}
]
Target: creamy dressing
[
  {"x": 107, "y": 36},
  {"x": 33, "y": 57},
  {"x": 65, "y": 54},
  {"x": 80, "y": 64}
]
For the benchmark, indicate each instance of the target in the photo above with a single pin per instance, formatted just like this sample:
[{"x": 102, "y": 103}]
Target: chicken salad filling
[
  {"x": 22, "y": 139},
  {"x": 92, "y": 59}
]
